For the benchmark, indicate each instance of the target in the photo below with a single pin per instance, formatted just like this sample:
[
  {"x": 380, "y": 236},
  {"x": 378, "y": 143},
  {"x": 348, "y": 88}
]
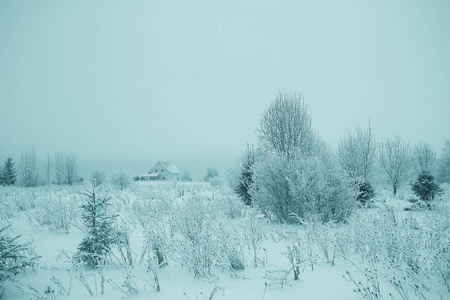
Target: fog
[{"x": 125, "y": 84}]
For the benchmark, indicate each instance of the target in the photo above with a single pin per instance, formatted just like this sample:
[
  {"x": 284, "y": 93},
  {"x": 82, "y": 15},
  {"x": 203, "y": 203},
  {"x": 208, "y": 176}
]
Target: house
[{"x": 162, "y": 170}]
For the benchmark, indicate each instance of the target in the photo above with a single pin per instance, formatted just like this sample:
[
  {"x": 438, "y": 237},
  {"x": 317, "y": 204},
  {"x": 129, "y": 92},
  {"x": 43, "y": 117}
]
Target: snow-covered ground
[{"x": 204, "y": 232}]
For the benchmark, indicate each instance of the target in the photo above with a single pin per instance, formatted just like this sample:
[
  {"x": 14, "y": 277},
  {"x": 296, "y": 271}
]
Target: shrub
[
  {"x": 303, "y": 186},
  {"x": 97, "y": 177},
  {"x": 121, "y": 180},
  {"x": 56, "y": 213}
]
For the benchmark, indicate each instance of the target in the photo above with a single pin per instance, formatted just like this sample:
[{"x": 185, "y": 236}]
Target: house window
[
  {"x": 162, "y": 170},
  {"x": 164, "y": 178},
  {"x": 178, "y": 178},
  {"x": 156, "y": 170}
]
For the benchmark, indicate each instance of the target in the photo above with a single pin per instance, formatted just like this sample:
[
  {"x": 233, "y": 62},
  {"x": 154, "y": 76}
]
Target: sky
[{"x": 123, "y": 84}]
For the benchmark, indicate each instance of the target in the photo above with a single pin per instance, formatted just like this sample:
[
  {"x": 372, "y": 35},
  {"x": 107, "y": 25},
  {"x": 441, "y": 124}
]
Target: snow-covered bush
[
  {"x": 121, "y": 179},
  {"x": 195, "y": 241},
  {"x": 254, "y": 233},
  {"x": 15, "y": 258},
  {"x": 202, "y": 237},
  {"x": 56, "y": 213},
  {"x": 230, "y": 252},
  {"x": 441, "y": 263},
  {"x": 231, "y": 207},
  {"x": 303, "y": 185}
]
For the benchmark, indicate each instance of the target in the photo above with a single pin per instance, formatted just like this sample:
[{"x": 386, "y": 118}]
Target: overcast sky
[{"x": 124, "y": 84}]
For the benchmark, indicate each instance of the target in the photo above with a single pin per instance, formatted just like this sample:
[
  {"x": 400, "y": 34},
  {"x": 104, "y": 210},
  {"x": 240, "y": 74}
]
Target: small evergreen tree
[
  {"x": 15, "y": 258},
  {"x": 425, "y": 188},
  {"x": 366, "y": 192},
  {"x": 245, "y": 179},
  {"x": 8, "y": 176},
  {"x": 94, "y": 247}
]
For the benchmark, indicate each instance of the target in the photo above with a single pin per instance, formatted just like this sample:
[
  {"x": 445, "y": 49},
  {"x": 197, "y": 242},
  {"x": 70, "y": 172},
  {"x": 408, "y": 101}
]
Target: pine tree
[
  {"x": 425, "y": 188},
  {"x": 94, "y": 247},
  {"x": 245, "y": 179},
  {"x": 9, "y": 172}
]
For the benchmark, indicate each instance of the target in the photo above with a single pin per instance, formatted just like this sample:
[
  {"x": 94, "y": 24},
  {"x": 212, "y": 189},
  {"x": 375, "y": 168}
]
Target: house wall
[
  {"x": 167, "y": 176},
  {"x": 158, "y": 166}
]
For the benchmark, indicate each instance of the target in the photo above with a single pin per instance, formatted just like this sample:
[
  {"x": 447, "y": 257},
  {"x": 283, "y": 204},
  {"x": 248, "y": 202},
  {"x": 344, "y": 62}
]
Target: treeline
[
  {"x": 293, "y": 173},
  {"x": 58, "y": 169}
]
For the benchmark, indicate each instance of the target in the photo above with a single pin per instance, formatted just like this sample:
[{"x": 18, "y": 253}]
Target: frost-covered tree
[
  {"x": 121, "y": 180},
  {"x": 97, "y": 244},
  {"x": 425, "y": 157},
  {"x": 444, "y": 166},
  {"x": 285, "y": 127},
  {"x": 58, "y": 167},
  {"x": 210, "y": 174},
  {"x": 97, "y": 177},
  {"x": 246, "y": 173},
  {"x": 29, "y": 168},
  {"x": 297, "y": 173},
  {"x": 70, "y": 169},
  {"x": 8, "y": 174},
  {"x": 48, "y": 169},
  {"x": 395, "y": 161},
  {"x": 15, "y": 258},
  {"x": 357, "y": 154}
]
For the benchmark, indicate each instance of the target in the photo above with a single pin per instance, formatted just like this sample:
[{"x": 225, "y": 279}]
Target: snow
[{"x": 135, "y": 206}]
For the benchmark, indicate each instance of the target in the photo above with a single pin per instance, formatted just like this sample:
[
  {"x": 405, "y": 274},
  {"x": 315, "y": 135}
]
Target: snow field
[{"x": 212, "y": 247}]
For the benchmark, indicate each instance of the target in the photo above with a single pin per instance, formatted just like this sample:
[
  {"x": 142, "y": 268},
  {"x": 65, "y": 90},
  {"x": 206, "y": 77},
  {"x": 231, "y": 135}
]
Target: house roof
[{"x": 170, "y": 167}]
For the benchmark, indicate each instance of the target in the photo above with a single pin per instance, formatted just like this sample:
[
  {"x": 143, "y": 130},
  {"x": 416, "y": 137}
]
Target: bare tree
[
  {"x": 48, "y": 168},
  {"x": 58, "y": 167},
  {"x": 395, "y": 160},
  {"x": 120, "y": 179},
  {"x": 186, "y": 176},
  {"x": 97, "y": 177},
  {"x": 29, "y": 168},
  {"x": 425, "y": 157},
  {"x": 71, "y": 169},
  {"x": 285, "y": 127},
  {"x": 357, "y": 152},
  {"x": 210, "y": 174}
]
